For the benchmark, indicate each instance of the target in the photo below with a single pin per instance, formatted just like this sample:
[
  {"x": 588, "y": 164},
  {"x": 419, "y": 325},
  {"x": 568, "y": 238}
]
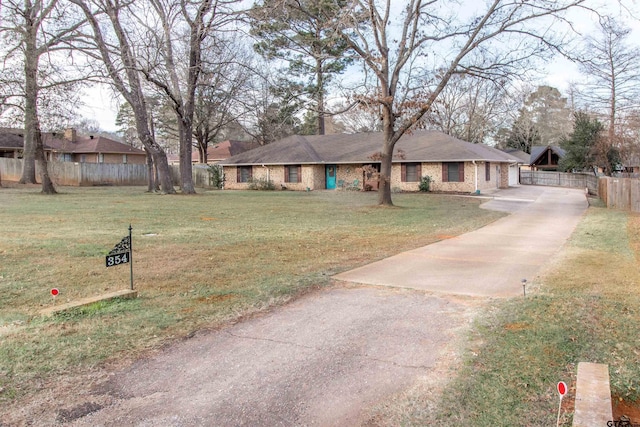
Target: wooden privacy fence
[
  {"x": 620, "y": 193},
  {"x": 88, "y": 174},
  {"x": 560, "y": 179}
]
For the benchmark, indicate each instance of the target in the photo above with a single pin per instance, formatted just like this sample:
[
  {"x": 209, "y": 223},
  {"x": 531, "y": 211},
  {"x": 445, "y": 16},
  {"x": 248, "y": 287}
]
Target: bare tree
[
  {"x": 358, "y": 118},
  {"x": 469, "y": 108},
  {"x": 220, "y": 93},
  {"x": 610, "y": 65},
  {"x": 397, "y": 43},
  {"x": 110, "y": 44},
  {"x": 174, "y": 63},
  {"x": 35, "y": 30},
  {"x": 271, "y": 113}
]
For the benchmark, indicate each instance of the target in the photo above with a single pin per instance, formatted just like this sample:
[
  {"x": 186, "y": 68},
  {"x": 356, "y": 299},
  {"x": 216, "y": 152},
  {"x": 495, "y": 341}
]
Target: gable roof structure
[
  {"x": 230, "y": 147},
  {"x": 55, "y": 142},
  {"x": 538, "y": 151},
  {"x": 89, "y": 144},
  {"x": 11, "y": 141},
  {"x": 419, "y": 146}
]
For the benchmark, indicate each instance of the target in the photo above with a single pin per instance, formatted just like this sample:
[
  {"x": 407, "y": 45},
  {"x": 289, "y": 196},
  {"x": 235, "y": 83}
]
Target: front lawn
[{"x": 199, "y": 261}]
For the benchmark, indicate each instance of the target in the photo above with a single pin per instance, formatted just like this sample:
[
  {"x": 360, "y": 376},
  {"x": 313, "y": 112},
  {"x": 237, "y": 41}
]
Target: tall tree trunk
[
  {"x": 47, "y": 184},
  {"x": 152, "y": 183},
  {"x": 320, "y": 96},
  {"x": 612, "y": 114},
  {"x": 386, "y": 158},
  {"x": 31, "y": 97},
  {"x": 156, "y": 151},
  {"x": 163, "y": 172},
  {"x": 186, "y": 168},
  {"x": 33, "y": 145}
]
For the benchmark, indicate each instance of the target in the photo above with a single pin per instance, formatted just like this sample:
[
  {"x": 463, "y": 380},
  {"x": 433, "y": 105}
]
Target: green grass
[
  {"x": 587, "y": 308},
  {"x": 199, "y": 261}
]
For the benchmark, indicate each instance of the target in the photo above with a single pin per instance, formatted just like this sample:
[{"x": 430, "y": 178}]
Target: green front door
[{"x": 330, "y": 171}]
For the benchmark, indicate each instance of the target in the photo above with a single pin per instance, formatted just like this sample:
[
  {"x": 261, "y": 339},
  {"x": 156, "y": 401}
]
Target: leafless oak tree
[
  {"x": 110, "y": 44},
  {"x": 35, "y": 32},
  {"x": 469, "y": 108},
  {"x": 610, "y": 64},
  {"x": 399, "y": 43},
  {"x": 173, "y": 60}
]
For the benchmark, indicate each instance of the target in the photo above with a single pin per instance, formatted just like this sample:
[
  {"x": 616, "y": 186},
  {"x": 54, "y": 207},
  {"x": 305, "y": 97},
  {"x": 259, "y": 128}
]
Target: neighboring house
[
  {"x": 545, "y": 158},
  {"x": 69, "y": 147},
  {"x": 218, "y": 151},
  {"x": 11, "y": 144},
  {"x": 345, "y": 160}
]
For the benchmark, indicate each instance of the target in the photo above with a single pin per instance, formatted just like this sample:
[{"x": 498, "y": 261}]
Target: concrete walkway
[{"x": 493, "y": 260}]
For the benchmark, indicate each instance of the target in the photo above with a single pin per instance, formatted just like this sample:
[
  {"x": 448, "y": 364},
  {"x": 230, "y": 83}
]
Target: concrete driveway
[
  {"x": 330, "y": 356},
  {"x": 493, "y": 260}
]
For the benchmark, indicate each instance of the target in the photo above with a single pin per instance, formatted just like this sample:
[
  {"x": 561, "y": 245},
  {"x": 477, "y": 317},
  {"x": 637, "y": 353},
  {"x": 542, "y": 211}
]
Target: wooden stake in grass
[{"x": 562, "y": 390}]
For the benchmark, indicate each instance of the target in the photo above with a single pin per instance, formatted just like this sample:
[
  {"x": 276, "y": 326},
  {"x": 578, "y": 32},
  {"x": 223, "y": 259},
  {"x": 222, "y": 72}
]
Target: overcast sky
[{"x": 102, "y": 107}]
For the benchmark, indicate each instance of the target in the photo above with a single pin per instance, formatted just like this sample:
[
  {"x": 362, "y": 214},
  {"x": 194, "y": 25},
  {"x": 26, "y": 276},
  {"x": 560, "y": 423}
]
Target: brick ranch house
[{"x": 337, "y": 161}]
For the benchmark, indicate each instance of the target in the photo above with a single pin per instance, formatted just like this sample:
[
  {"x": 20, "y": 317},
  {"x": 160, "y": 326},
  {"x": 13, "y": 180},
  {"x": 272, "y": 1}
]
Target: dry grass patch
[{"x": 586, "y": 308}]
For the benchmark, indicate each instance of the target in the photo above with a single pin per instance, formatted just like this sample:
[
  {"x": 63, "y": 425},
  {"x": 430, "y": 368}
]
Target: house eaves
[{"x": 419, "y": 146}]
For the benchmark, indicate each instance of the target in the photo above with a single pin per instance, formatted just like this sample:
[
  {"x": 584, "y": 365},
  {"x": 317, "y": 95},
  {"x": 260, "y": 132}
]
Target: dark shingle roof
[
  {"x": 99, "y": 144},
  {"x": 419, "y": 146},
  {"x": 11, "y": 141},
  {"x": 522, "y": 156},
  {"x": 538, "y": 150},
  {"x": 84, "y": 145}
]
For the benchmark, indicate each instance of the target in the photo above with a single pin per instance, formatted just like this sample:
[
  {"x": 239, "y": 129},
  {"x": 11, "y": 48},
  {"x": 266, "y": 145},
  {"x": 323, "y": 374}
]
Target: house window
[
  {"x": 124, "y": 159},
  {"x": 487, "y": 171},
  {"x": 83, "y": 158},
  {"x": 100, "y": 158},
  {"x": 453, "y": 172},
  {"x": 293, "y": 173},
  {"x": 411, "y": 172},
  {"x": 65, "y": 157},
  {"x": 245, "y": 173}
]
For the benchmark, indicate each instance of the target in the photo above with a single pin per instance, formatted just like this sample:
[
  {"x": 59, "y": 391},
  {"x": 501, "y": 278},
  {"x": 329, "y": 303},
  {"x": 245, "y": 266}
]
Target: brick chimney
[{"x": 70, "y": 135}]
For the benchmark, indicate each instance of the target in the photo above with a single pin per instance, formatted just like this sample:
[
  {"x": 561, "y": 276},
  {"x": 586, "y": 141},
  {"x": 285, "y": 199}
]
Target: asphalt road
[{"x": 330, "y": 356}]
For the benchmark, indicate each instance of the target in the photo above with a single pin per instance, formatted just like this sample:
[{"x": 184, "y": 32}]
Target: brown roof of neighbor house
[
  {"x": 89, "y": 144},
  {"x": 418, "y": 146},
  {"x": 219, "y": 151},
  {"x": 11, "y": 140},
  {"x": 228, "y": 148}
]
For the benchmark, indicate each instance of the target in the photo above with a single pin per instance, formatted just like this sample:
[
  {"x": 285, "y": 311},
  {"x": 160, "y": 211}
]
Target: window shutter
[
  {"x": 419, "y": 172},
  {"x": 286, "y": 173},
  {"x": 250, "y": 172},
  {"x": 403, "y": 172},
  {"x": 238, "y": 177},
  {"x": 461, "y": 172},
  {"x": 445, "y": 172},
  {"x": 299, "y": 173}
]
